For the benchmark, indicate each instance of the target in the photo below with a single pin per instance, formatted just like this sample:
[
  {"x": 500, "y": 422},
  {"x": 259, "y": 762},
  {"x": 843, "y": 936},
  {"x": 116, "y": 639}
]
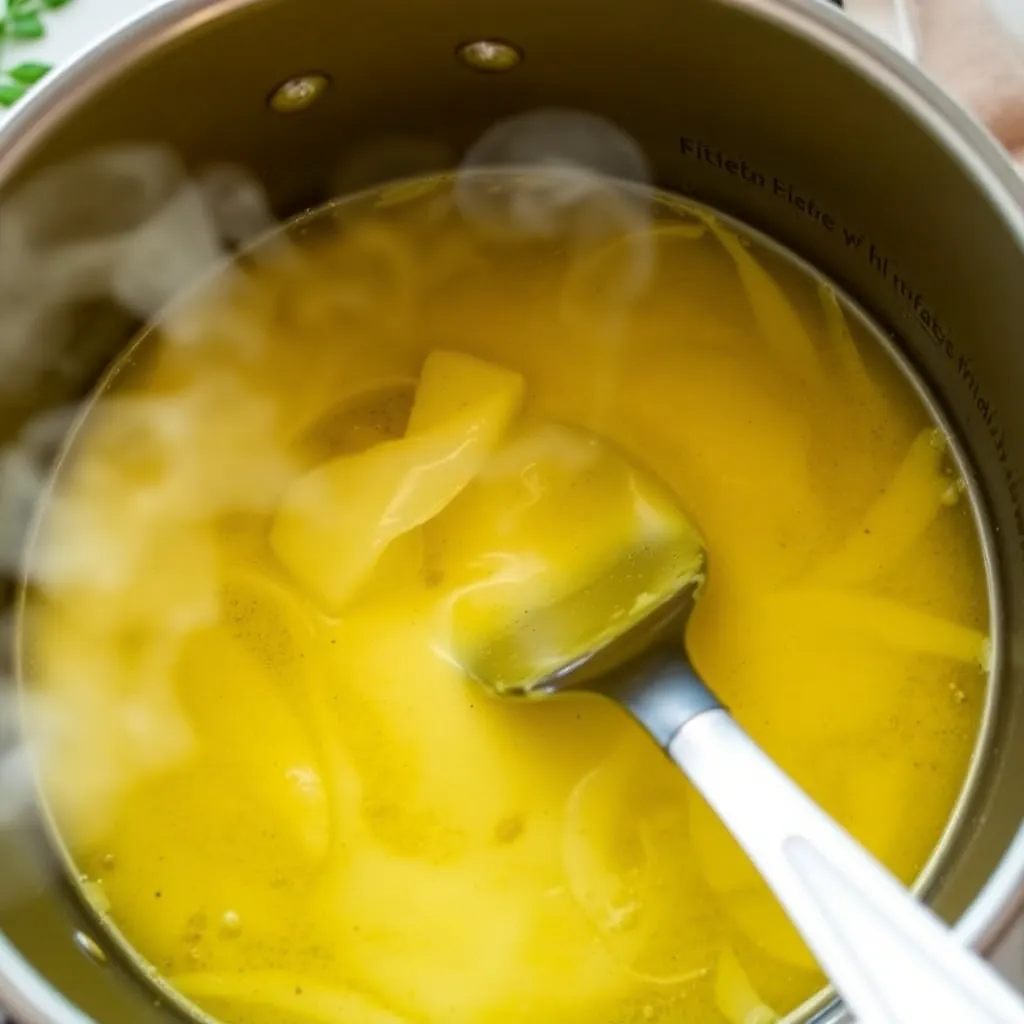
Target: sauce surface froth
[{"x": 366, "y": 442}]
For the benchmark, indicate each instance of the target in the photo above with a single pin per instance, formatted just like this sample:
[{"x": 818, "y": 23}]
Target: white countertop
[
  {"x": 69, "y": 30},
  {"x": 73, "y": 28}
]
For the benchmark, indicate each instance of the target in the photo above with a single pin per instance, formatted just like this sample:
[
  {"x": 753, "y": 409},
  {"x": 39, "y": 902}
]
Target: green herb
[
  {"x": 29, "y": 72},
  {"x": 26, "y": 25},
  {"x": 10, "y": 93},
  {"x": 21, "y": 21}
]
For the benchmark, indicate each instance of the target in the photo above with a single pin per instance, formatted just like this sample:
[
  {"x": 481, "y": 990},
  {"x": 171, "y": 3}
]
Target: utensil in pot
[{"x": 890, "y": 957}]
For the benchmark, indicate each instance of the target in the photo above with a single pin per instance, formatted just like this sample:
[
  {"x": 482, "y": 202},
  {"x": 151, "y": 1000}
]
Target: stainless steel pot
[{"x": 783, "y": 112}]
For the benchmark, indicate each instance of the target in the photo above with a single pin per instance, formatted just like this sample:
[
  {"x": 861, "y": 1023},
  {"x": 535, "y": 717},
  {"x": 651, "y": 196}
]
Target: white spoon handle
[{"x": 891, "y": 959}]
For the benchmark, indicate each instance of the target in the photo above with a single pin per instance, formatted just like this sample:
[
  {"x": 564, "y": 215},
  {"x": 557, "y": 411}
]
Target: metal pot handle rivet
[
  {"x": 490, "y": 55},
  {"x": 298, "y": 93}
]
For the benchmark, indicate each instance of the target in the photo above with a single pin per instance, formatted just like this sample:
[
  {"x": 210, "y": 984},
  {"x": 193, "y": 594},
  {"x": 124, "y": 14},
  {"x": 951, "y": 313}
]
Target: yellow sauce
[{"x": 370, "y": 444}]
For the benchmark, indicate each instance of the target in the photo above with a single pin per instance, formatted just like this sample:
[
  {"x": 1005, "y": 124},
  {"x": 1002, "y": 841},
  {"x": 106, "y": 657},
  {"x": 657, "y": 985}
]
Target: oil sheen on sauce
[{"x": 253, "y": 741}]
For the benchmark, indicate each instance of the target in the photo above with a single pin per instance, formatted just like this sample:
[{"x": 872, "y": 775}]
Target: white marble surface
[{"x": 81, "y": 23}]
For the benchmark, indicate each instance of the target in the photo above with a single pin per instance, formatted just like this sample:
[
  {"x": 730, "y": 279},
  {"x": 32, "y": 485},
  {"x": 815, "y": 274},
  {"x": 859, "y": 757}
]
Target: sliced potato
[
  {"x": 776, "y": 316},
  {"x": 283, "y": 996},
  {"x": 626, "y": 861},
  {"x": 736, "y": 997},
  {"x": 762, "y": 920},
  {"x": 477, "y": 942},
  {"x": 895, "y": 519},
  {"x": 235, "y": 706},
  {"x": 889, "y": 621},
  {"x": 335, "y": 522},
  {"x": 559, "y": 544}
]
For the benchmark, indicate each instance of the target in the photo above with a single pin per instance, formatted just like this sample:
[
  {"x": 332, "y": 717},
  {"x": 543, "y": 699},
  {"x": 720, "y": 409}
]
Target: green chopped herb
[
  {"x": 21, "y": 21},
  {"x": 10, "y": 93},
  {"x": 29, "y": 72},
  {"x": 25, "y": 25}
]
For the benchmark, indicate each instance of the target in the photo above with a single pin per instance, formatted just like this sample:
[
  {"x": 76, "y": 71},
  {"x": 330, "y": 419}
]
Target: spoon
[{"x": 891, "y": 959}]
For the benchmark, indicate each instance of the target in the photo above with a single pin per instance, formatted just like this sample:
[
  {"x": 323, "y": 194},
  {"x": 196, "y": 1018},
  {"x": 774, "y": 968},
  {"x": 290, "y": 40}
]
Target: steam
[
  {"x": 131, "y": 228},
  {"x": 123, "y": 224},
  {"x": 126, "y": 545},
  {"x": 236, "y": 204},
  {"x": 24, "y": 472},
  {"x": 586, "y": 188},
  {"x": 577, "y": 165}
]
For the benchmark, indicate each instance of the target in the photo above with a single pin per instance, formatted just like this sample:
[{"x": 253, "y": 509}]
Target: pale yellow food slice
[
  {"x": 851, "y": 798},
  {"x": 890, "y": 621},
  {"x": 413, "y": 723},
  {"x": 723, "y": 865},
  {"x": 895, "y": 519},
  {"x": 559, "y": 543},
  {"x": 780, "y": 671},
  {"x": 777, "y": 318},
  {"x": 247, "y": 725},
  {"x": 851, "y": 362},
  {"x": 736, "y": 997},
  {"x": 480, "y": 941},
  {"x": 285, "y": 995},
  {"x": 626, "y": 861},
  {"x": 287, "y": 640},
  {"x": 742, "y": 895},
  {"x": 761, "y": 919},
  {"x": 334, "y": 523}
]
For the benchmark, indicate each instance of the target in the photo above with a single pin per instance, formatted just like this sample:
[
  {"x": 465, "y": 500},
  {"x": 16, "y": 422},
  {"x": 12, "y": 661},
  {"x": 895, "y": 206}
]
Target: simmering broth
[{"x": 253, "y": 743}]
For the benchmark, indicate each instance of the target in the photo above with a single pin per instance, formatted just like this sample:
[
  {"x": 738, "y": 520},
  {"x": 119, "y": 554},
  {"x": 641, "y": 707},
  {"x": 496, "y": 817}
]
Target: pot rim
[{"x": 23, "y": 990}]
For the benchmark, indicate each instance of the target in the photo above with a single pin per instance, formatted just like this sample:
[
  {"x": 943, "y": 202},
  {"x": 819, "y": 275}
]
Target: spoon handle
[{"x": 891, "y": 958}]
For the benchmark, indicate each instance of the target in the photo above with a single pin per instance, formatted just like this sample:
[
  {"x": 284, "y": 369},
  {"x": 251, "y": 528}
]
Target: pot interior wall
[{"x": 729, "y": 107}]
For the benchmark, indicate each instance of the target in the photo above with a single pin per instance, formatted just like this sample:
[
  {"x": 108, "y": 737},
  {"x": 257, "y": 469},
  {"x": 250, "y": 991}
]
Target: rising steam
[
  {"x": 127, "y": 225},
  {"x": 592, "y": 190},
  {"x": 133, "y": 226}
]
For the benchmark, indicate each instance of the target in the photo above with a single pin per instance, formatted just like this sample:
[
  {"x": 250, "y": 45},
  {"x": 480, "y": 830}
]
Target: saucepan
[{"x": 787, "y": 114}]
